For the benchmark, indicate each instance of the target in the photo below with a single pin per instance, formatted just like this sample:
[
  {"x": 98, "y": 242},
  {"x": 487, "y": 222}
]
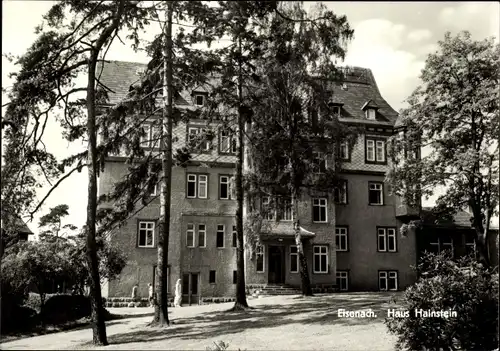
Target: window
[
  {"x": 294, "y": 259},
  {"x": 470, "y": 245},
  {"x": 319, "y": 210},
  {"x": 388, "y": 280},
  {"x": 440, "y": 244},
  {"x": 146, "y": 234},
  {"x": 285, "y": 212},
  {"x": 336, "y": 111},
  {"x": 225, "y": 189},
  {"x": 343, "y": 280},
  {"x": 155, "y": 136},
  {"x": 267, "y": 210},
  {"x": 211, "y": 277},
  {"x": 199, "y": 100},
  {"x": 235, "y": 277},
  {"x": 341, "y": 239},
  {"x": 154, "y": 191},
  {"x": 202, "y": 235},
  {"x": 220, "y": 235},
  {"x": 320, "y": 262},
  {"x": 319, "y": 162},
  {"x": 190, "y": 235},
  {"x": 197, "y": 186},
  {"x": 235, "y": 237},
  {"x": 386, "y": 239},
  {"x": 380, "y": 151},
  {"x": 340, "y": 193},
  {"x": 371, "y": 113},
  {"x": 370, "y": 150},
  {"x": 227, "y": 142},
  {"x": 259, "y": 259},
  {"x": 375, "y": 150},
  {"x": 198, "y": 140},
  {"x": 145, "y": 139},
  {"x": 344, "y": 150},
  {"x": 375, "y": 193}
]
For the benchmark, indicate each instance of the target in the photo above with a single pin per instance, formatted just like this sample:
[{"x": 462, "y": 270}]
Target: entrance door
[
  {"x": 276, "y": 265},
  {"x": 190, "y": 293}
]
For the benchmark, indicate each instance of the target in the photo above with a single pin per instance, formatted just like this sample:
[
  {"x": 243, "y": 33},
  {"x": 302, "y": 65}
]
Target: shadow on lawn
[{"x": 320, "y": 309}]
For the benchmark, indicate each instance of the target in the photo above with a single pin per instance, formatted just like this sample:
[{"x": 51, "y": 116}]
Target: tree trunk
[
  {"x": 305, "y": 282},
  {"x": 481, "y": 236},
  {"x": 98, "y": 321},
  {"x": 241, "y": 298},
  {"x": 161, "y": 303},
  {"x": 98, "y": 324}
]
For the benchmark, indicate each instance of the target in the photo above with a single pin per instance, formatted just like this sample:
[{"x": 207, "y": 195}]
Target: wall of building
[{"x": 363, "y": 261}]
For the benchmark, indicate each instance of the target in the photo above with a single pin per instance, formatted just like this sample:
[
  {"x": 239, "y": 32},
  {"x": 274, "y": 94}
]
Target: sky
[{"x": 393, "y": 39}]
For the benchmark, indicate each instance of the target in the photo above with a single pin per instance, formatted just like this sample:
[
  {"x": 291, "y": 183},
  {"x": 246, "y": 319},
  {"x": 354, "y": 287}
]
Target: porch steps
[
  {"x": 130, "y": 302},
  {"x": 271, "y": 289}
]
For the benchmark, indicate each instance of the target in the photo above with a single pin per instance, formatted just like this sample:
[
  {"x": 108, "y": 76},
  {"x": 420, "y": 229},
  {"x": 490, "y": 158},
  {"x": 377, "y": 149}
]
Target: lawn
[{"x": 274, "y": 323}]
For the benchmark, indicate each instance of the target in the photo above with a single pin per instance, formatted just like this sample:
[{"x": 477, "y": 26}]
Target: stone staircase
[
  {"x": 272, "y": 289},
  {"x": 129, "y": 302}
]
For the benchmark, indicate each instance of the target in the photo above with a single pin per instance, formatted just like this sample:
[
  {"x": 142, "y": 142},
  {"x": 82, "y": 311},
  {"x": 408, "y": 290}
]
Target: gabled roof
[
  {"x": 369, "y": 104},
  {"x": 19, "y": 224},
  {"x": 355, "y": 91},
  {"x": 461, "y": 219}
]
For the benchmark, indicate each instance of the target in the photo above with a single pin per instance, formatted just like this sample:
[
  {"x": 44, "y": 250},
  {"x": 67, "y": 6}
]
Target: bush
[
  {"x": 12, "y": 312},
  {"x": 33, "y": 301},
  {"x": 463, "y": 286},
  {"x": 64, "y": 308}
]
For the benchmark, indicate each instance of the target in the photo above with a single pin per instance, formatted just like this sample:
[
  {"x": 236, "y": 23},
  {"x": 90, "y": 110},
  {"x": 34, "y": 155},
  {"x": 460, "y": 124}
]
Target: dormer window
[
  {"x": 336, "y": 108},
  {"x": 199, "y": 100},
  {"x": 371, "y": 113},
  {"x": 370, "y": 108}
]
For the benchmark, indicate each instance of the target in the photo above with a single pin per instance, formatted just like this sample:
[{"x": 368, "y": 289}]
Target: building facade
[{"x": 351, "y": 235}]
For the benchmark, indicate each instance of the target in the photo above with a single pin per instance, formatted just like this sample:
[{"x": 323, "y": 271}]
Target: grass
[{"x": 274, "y": 323}]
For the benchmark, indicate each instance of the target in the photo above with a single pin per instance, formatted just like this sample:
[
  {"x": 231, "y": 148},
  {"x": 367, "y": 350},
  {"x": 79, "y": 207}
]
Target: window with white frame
[
  {"x": 371, "y": 113},
  {"x": 294, "y": 259},
  {"x": 340, "y": 193},
  {"x": 219, "y": 240},
  {"x": 259, "y": 255},
  {"x": 190, "y": 235},
  {"x": 341, "y": 241},
  {"x": 342, "y": 280},
  {"x": 198, "y": 139},
  {"x": 267, "y": 208},
  {"x": 375, "y": 150},
  {"x": 197, "y": 186},
  {"x": 235, "y": 237},
  {"x": 225, "y": 188},
  {"x": 319, "y": 162},
  {"x": 285, "y": 211},
  {"x": 320, "y": 261},
  {"x": 386, "y": 240},
  {"x": 199, "y": 100},
  {"x": 202, "y": 235},
  {"x": 146, "y": 234},
  {"x": 440, "y": 244},
  {"x": 375, "y": 193},
  {"x": 344, "y": 150},
  {"x": 228, "y": 142},
  {"x": 380, "y": 151},
  {"x": 319, "y": 210},
  {"x": 388, "y": 280}
]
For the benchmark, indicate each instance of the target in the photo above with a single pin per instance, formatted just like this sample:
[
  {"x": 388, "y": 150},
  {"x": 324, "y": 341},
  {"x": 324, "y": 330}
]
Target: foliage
[
  {"x": 464, "y": 286},
  {"x": 62, "y": 308},
  {"x": 52, "y": 221},
  {"x": 454, "y": 115}
]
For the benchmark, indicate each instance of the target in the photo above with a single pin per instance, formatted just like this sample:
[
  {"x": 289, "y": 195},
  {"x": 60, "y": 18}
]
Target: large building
[{"x": 351, "y": 236}]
